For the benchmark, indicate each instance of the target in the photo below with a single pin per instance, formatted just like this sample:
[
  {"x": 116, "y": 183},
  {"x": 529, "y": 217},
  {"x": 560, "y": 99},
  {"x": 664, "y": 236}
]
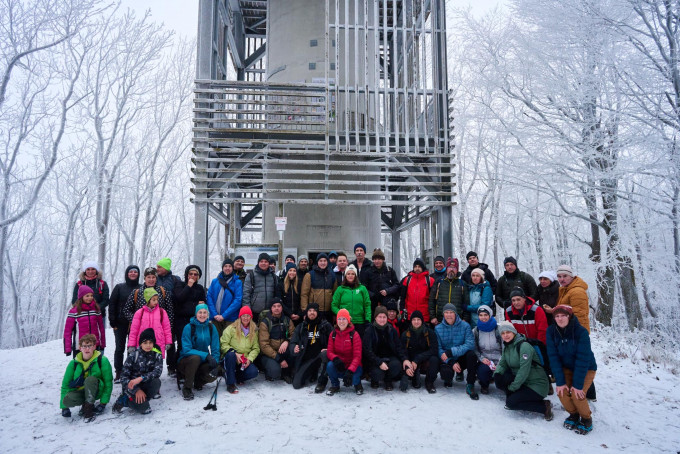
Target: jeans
[
  {"x": 233, "y": 371},
  {"x": 334, "y": 375}
]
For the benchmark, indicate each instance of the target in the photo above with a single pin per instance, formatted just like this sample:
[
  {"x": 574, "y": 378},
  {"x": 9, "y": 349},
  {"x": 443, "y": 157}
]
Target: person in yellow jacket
[
  {"x": 573, "y": 292},
  {"x": 239, "y": 346}
]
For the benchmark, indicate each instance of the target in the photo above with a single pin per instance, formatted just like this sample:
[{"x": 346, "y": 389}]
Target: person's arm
[
  {"x": 74, "y": 296},
  {"x": 264, "y": 341},
  {"x": 107, "y": 378},
  {"x": 541, "y": 323},
  {"x": 133, "y": 337},
  {"x": 368, "y": 354},
  {"x": 440, "y": 342},
  {"x": 487, "y": 296},
  {"x": 337, "y": 298},
  {"x": 232, "y": 309},
  {"x": 531, "y": 287},
  {"x": 114, "y": 306},
  {"x": 248, "y": 290},
  {"x": 211, "y": 298},
  {"x": 356, "y": 354},
  {"x": 330, "y": 352},
  {"x": 167, "y": 331},
  {"x": 399, "y": 351},
  {"x": 468, "y": 343},
  {"x": 102, "y": 331},
  {"x": 105, "y": 298},
  {"x": 393, "y": 290},
  {"x": 432, "y": 304},
  {"x": 215, "y": 343},
  {"x": 168, "y": 305},
  {"x": 225, "y": 340},
  {"x": 252, "y": 356},
  {"x": 68, "y": 377},
  {"x": 69, "y": 327},
  {"x": 554, "y": 357},
  {"x": 366, "y": 303},
  {"x": 157, "y": 369},
  {"x": 306, "y": 289},
  {"x": 129, "y": 308},
  {"x": 583, "y": 356}
]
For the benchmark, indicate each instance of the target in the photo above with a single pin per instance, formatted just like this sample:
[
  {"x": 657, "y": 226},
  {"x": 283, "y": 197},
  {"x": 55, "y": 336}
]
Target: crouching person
[
  {"x": 200, "y": 352},
  {"x": 308, "y": 349},
  {"x": 239, "y": 347},
  {"x": 274, "y": 336},
  {"x": 419, "y": 343},
  {"x": 344, "y": 355},
  {"x": 488, "y": 345},
  {"x": 141, "y": 375},
  {"x": 88, "y": 377},
  {"x": 520, "y": 374},
  {"x": 383, "y": 356}
]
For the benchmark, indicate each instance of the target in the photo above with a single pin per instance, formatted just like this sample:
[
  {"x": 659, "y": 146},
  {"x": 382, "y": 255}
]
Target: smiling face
[
  {"x": 507, "y": 336},
  {"x": 351, "y": 276},
  {"x": 450, "y": 317},
  {"x": 87, "y": 299},
  {"x": 342, "y": 262},
  {"x": 245, "y": 319},
  {"x": 133, "y": 274},
  {"x": 147, "y": 346},
  {"x": 484, "y": 317},
  {"x": 90, "y": 273},
  {"x": 416, "y": 322},
  {"x": 292, "y": 273},
  {"x": 439, "y": 265},
  {"x": 322, "y": 263},
  {"x": 381, "y": 319},
  {"x": 263, "y": 264},
  {"x": 150, "y": 280},
  {"x": 227, "y": 269},
  {"x": 544, "y": 281},
  {"x": 518, "y": 302},
  {"x": 202, "y": 315},
  {"x": 239, "y": 264},
  {"x": 343, "y": 323}
]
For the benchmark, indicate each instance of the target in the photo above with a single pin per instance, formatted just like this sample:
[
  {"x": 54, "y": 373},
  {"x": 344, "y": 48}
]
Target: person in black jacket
[
  {"x": 381, "y": 281},
  {"x": 473, "y": 262},
  {"x": 308, "y": 347},
  {"x": 512, "y": 278},
  {"x": 419, "y": 343},
  {"x": 186, "y": 296},
  {"x": 548, "y": 293},
  {"x": 117, "y": 320},
  {"x": 382, "y": 352},
  {"x": 91, "y": 275},
  {"x": 289, "y": 288}
]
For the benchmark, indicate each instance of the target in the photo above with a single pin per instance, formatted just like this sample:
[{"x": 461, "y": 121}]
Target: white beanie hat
[{"x": 90, "y": 264}]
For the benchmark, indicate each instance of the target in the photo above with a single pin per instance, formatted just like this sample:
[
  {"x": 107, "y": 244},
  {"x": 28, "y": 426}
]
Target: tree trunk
[{"x": 631, "y": 302}]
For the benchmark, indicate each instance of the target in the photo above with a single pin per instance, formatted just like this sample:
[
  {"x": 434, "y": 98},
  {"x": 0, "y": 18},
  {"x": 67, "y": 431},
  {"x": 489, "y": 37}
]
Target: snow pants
[
  {"x": 570, "y": 402},
  {"x": 88, "y": 394},
  {"x": 524, "y": 398}
]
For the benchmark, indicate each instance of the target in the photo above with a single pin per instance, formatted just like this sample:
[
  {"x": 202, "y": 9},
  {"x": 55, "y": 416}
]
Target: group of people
[{"x": 335, "y": 321}]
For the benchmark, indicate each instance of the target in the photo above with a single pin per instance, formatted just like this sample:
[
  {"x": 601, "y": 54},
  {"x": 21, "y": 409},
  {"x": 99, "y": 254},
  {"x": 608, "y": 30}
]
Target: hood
[
  {"x": 481, "y": 285},
  {"x": 186, "y": 272},
  {"x": 129, "y": 281},
  {"x": 82, "y": 277},
  {"x": 578, "y": 282},
  {"x": 86, "y": 364}
]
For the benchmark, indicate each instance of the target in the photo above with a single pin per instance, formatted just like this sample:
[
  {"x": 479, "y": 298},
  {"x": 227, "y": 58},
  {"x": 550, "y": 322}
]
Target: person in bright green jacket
[
  {"x": 353, "y": 296},
  {"x": 239, "y": 346},
  {"x": 520, "y": 374},
  {"x": 88, "y": 378}
]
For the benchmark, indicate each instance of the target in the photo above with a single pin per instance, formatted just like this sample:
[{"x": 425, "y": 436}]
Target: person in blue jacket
[
  {"x": 573, "y": 365},
  {"x": 456, "y": 349},
  {"x": 200, "y": 353},
  {"x": 480, "y": 294},
  {"x": 224, "y": 297}
]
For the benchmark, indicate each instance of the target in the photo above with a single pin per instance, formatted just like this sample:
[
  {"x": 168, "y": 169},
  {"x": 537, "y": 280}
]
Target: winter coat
[
  {"x": 447, "y": 291},
  {"x": 520, "y": 357},
  {"x": 317, "y": 287},
  {"x": 438, "y": 275},
  {"x": 156, "y": 319},
  {"x": 379, "y": 344},
  {"x": 259, "y": 288},
  {"x": 363, "y": 272},
  {"x": 291, "y": 296},
  {"x": 549, "y": 295},
  {"x": 311, "y": 337},
  {"x": 569, "y": 348},
  {"x": 241, "y": 274},
  {"x": 416, "y": 293},
  {"x": 185, "y": 299},
  {"x": 488, "y": 275},
  {"x": 206, "y": 340},
  {"x": 383, "y": 278},
  {"x": 455, "y": 340},
  {"x": 346, "y": 346},
  {"x": 101, "y": 290},
  {"x": 89, "y": 321},
  {"x": 509, "y": 281},
  {"x": 226, "y": 294},
  {"x": 576, "y": 296},
  {"x": 233, "y": 338},
  {"x": 100, "y": 369},
  {"x": 355, "y": 300},
  {"x": 399, "y": 324},
  {"x": 136, "y": 301},
  {"x": 339, "y": 275},
  {"x": 119, "y": 296},
  {"x": 530, "y": 321},
  {"x": 479, "y": 294},
  {"x": 419, "y": 345},
  {"x": 273, "y": 332},
  {"x": 488, "y": 344},
  {"x": 148, "y": 365},
  {"x": 169, "y": 281}
]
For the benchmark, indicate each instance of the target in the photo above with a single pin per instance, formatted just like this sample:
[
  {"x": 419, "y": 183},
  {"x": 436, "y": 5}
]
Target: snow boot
[
  {"x": 470, "y": 390},
  {"x": 448, "y": 384},
  {"x": 548, "y": 415},
  {"x": 388, "y": 385},
  {"x": 187, "y": 394},
  {"x": 485, "y": 390},
  {"x": 66, "y": 412},
  {"x": 375, "y": 384},
  {"x": 358, "y": 389},
  {"x": 332, "y": 390},
  {"x": 416, "y": 381},
  {"x": 403, "y": 383},
  {"x": 121, "y": 402},
  {"x": 585, "y": 426},
  {"x": 232, "y": 389},
  {"x": 572, "y": 421},
  {"x": 551, "y": 390},
  {"x": 459, "y": 376},
  {"x": 88, "y": 412},
  {"x": 430, "y": 387},
  {"x": 591, "y": 395},
  {"x": 99, "y": 408},
  {"x": 288, "y": 379},
  {"x": 116, "y": 380},
  {"x": 156, "y": 396},
  {"x": 320, "y": 387}
]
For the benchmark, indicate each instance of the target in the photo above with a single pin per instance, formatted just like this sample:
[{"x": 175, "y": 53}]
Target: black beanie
[
  {"x": 147, "y": 335},
  {"x": 470, "y": 254},
  {"x": 420, "y": 262},
  {"x": 264, "y": 256},
  {"x": 417, "y": 314},
  {"x": 439, "y": 258},
  {"x": 517, "y": 291},
  {"x": 227, "y": 262},
  {"x": 239, "y": 257},
  {"x": 314, "y": 306},
  {"x": 510, "y": 259}
]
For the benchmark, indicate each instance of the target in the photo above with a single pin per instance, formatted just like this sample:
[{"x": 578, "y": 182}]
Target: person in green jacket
[
  {"x": 88, "y": 378},
  {"x": 239, "y": 346},
  {"x": 353, "y": 296},
  {"x": 520, "y": 374}
]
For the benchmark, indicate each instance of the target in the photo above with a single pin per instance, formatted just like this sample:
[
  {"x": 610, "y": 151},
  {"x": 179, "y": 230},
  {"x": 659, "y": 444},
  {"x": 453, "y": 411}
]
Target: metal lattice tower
[{"x": 323, "y": 107}]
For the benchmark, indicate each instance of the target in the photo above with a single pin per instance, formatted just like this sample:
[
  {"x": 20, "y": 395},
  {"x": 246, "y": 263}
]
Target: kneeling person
[
  {"x": 200, "y": 352},
  {"x": 240, "y": 347},
  {"x": 274, "y": 335},
  {"x": 419, "y": 343},
  {"x": 88, "y": 377},
  {"x": 308, "y": 347},
  {"x": 383, "y": 356},
  {"x": 141, "y": 375}
]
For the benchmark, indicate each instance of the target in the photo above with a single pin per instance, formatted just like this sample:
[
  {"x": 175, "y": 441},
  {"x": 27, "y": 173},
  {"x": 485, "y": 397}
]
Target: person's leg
[
  {"x": 591, "y": 393},
  {"x": 525, "y": 398},
  {"x": 431, "y": 368},
  {"x": 446, "y": 372},
  {"x": 91, "y": 387},
  {"x": 150, "y": 388},
  {"x": 272, "y": 368},
  {"x": 305, "y": 371},
  {"x": 203, "y": 375},
  {"x": 171, "y": 357},
  {"x": 229, "y": 365},
  {"x": 333, "y": 374},
  {"x": 120, "y": 335},
  {"x": 469, "y": 362},
  {"x": 376, "y": 374},
  {"x": 188, "y": 367},
  {"x": 582, "y": 405},
  {"x": 250, "y": 372},
  {"x": 484, "y": 373},
  {"x": 356, "y": 377},
  {"x": 394, "y": 369},
  {"x": 74, "y": 398},
  {"x": 503, "y": 380}
]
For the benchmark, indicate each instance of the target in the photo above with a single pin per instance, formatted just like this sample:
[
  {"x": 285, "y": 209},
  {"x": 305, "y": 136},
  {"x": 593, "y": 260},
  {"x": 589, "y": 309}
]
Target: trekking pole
[{"x": 213, "y": 406}]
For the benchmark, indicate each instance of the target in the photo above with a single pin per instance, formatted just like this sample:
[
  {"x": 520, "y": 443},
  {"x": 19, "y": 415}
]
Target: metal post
[{"x": 281, "y": 233}]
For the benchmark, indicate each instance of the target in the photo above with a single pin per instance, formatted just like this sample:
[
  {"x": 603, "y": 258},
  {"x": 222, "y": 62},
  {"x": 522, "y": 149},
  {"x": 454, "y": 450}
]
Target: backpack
[
  {"x": 137, "y": 293},
  {"x": 427, "y": 279},
  {"x": 100, "y": 285},
  {"x": 285, "y": 321},
  {"x": 536, "y": 344},
  {"x": 351, "y": 336}
]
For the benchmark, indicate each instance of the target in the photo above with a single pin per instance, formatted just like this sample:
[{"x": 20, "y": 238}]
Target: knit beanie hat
[
  {"x": 380, "y": 310},
  {"x": 332, "y": 254},
  {"x": 165, "y": 263},
  {"x": 417, "y": 314},
  {"x": 289, "y": 256},
  {"x": 84, "y": 290},
  {"x": 391, "y": 305},
  {"x": 344, "y": 313},
  {"x": 470, "y": 254},
  {"x": 289, "y": 265},
  {"x": 245, "y": 310},
  {"x": 201, "y": 306},
  {"x": 449, "y": 307},
  {"x": 239, "y": 257},
  {"x": 452, "y": 262},
  {"x": 484, "y": 308},
  {"x": 565, "y": 269},
  {"x": 378, "y": 254},
  {"x": 264, "y": 256},
  {"x": 321, "y": 256},
  {"x": 517, "y": 291},
  {"x": 90, "y": 264},
  {"x": 353, "y": 269},
  {"x": 150, "y": 271},
  {"x": 552, "y": 275},
  {"x": 506, "y": 326},
  {"x": 360, "y": 245},
  {"x": 147, "y": 335},
  {"x": 420, "y": 262},
  {"x": 303, "y": 257},
  {"x": 510, "y": 259},
  {"x": 439, "y": 258},
  {"x": 148, "y": 293},
  {"x": 227, "y": 261},
  {"x": 563, "y": 309},
  {"x": 276, "y": 300},
  {"x": 314, "y": 306},
  {"x": 480, "y": 272}
]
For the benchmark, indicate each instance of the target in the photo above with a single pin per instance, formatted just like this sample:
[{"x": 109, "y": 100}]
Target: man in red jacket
[{"x": 526, "y": 315}]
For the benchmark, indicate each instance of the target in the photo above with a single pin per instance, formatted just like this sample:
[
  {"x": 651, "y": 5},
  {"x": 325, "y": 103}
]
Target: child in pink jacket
[
  {"x": 151, "y": 316},
  {"x": 87, "y": 317}
]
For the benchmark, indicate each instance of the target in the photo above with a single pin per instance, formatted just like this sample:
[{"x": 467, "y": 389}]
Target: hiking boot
[
  {"x": 388, "y": 385},
  {"x": 375, "y": 384},
  {"x": 416, "y": 381},
  {"x": 172, "y": 372},
  {"x": 116, "y": 380},
  {"x": 459, "y": 376},
  {"x": 232, "y": 389},
  {"x": 319, "y": 388},
  {"x": 585, "y": 426},
  {"x": 448, "y": 384},
  {"x": 198, "y": 387},
  {"x": 572, "y": 421},
  {"x": 66, "y": 412},
  {"x": 485, "y": 390},
  {"x": 187, "y": 394},
  {"x": 359, "y": 389},
  {"x": 332, "y": 390},
  {"x": 146, "y": 411},
  {"x": 99, "y": 408},
  {"x": 548, "y": 415},
  {"x": 430, "y": 388},
  {"x": 470, "y": 390},
  {"x": 88, "y": 412},
  {"x": 156, "y": 396},
  {"x": 403, "y": 383},
  {"x": 288, "y": 379},
  {"x": 120, "y": 403}
]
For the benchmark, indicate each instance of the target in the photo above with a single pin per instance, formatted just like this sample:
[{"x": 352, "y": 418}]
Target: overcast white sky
[{"x": 182, "y": 15}]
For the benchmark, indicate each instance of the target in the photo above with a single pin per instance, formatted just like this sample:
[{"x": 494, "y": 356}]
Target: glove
[
  {"x": 67, "y": 353},
  {"x": 347, "y": 379},
  {"x": 130, "y": 350},
  {"x": 339, "y": 365},
  {"x": 211, "y": 362}
]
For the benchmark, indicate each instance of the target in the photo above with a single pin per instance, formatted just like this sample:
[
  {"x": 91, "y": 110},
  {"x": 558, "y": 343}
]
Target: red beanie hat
[
  {"x": 344, "y": 313},
  {"x": 245, "y": 310}
]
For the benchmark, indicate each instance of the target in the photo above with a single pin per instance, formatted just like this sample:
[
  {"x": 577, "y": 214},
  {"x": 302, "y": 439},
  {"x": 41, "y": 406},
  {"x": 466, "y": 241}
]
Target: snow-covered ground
[{"x": 637, "y": 411}]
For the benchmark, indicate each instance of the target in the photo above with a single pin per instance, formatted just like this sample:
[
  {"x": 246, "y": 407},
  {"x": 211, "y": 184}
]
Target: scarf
[{"x": 487, "y": 326}]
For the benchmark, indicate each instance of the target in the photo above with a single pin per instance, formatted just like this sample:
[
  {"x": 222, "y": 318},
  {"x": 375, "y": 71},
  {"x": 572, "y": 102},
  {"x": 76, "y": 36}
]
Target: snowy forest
[{"x": 566, "y": 122}]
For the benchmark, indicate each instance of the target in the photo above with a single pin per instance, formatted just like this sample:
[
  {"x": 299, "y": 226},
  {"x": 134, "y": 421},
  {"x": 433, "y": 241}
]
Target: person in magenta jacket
[
  {"x": 87, "y": 317},
  {"x": 151, "y": 316},
  {"x": 344, "y": 355}
]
